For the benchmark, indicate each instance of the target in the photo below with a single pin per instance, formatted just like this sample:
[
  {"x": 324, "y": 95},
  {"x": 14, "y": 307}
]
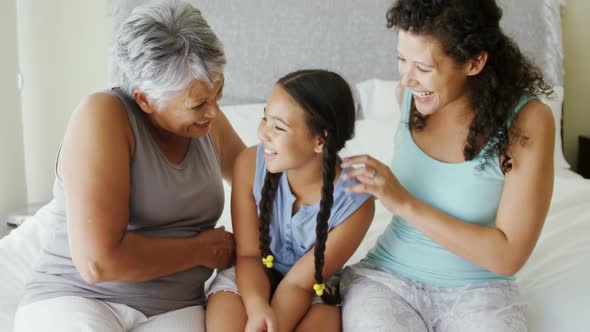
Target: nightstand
[
  {"x": 584, "y": 156},
  {"x": 16, "y": 217},
  {"x": 5, "y": 229}
]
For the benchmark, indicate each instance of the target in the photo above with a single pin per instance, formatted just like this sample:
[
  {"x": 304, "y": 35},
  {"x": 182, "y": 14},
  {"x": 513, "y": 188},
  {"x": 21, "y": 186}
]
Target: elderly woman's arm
[
  {"x": 94, "y": 166},
  {"x": 227, "y": 143}
]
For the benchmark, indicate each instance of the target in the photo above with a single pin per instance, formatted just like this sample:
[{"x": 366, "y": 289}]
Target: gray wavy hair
[{"x": 162, "y": 47}]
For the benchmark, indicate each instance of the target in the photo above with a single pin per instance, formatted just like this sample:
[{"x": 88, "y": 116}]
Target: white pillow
[
  {"x": 555, "y": 104},
  {"x": 245, "y": 119},
  {"x": 379, "y": 119},
  {"x": 378, "y": 101},
  {"x": 373, "y": 137}
]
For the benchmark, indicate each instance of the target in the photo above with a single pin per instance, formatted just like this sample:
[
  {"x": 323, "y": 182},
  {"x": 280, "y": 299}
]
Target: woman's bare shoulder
[
  {"x": 535, "y": 116},
  {"x": 100, "y": 114},
  {"x": 102, "y": 104}
]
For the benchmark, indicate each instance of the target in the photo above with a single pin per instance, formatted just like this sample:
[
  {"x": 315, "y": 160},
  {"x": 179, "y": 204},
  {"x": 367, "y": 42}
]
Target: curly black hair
[
  {"x": 466, "y": 29},
  {"x": 327, "y": 102}
]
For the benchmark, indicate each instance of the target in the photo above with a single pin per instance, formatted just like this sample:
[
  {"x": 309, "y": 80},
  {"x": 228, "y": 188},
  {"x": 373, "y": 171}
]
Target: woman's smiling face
[
  {"x": 436, "y": 80},
  {"x": 190, "y": 112}
]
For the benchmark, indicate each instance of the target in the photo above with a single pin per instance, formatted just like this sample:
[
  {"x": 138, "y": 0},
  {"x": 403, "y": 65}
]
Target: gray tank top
[{"x": 166, "y": 200}]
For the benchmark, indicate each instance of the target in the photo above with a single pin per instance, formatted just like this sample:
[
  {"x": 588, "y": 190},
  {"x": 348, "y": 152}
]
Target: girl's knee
[{"x": 321, "y": 317}]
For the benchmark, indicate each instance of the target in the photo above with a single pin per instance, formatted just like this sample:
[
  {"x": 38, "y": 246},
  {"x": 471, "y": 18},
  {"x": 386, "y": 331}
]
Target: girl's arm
[
  {"x": 94, "y": 165},
  {"x": 293, "y": 296},
  {"x": 251, "y": 278},
  {"x": 522, "y": 211}
]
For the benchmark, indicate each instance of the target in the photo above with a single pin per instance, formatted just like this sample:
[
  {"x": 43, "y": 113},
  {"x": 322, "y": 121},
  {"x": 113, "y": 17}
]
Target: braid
[
  {"x": 269, "y": 189},
  {"x": 327, "y": 102},
  {"x": 329, "y": 173}
]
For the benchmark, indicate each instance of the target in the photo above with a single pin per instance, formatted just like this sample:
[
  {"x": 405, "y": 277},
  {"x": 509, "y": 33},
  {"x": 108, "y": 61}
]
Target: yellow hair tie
[
  {"x": 267, "y": 261},
  {"x": 319, "y": 289}
]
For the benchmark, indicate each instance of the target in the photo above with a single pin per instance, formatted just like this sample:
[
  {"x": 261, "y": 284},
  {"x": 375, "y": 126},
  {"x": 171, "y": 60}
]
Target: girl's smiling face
[{"x": 283, "y": 132}]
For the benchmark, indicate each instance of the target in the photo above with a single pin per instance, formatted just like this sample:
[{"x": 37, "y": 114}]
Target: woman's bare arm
[
  {"x": 94, "y": 166},
  {"x": 227, "y": 143}
]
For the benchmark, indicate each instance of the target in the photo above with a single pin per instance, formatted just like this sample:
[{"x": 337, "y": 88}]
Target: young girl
[{"x": 295, "y": 225}]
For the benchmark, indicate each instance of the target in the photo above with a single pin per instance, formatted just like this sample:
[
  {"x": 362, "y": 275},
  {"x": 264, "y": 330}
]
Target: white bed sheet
[{"x": 554, "y": 281}]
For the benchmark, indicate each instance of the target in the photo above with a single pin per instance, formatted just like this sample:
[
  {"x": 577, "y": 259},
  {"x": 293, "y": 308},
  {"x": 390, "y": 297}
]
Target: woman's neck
[
  {"x": 172, "y": 146},
  {"x": 458, "y": 113}
]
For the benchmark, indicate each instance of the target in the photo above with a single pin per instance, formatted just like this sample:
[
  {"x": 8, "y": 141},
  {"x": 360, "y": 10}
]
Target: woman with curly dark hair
[
  {"x": 295, "y": 225},
  {"x": 470, "y": 182}
]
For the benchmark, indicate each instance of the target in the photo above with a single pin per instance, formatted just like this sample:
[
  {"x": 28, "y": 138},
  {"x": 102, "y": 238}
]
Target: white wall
[
  {"x": 577, "y": 76},
  {"x": 63, "y": 55},
  {"x": 12, "y": 175}
]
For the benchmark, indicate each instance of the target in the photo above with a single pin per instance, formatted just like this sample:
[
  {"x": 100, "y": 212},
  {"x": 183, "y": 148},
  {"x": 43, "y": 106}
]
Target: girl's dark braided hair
[
  {"x": 466, "y": 29},
  {"x": 327, "y": 102}
]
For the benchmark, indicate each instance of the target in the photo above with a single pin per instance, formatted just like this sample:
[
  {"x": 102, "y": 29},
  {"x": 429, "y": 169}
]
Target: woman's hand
[
  {"x": 377, "y": 179},
  {"x": 262, "y": 321},
  {"x": 220, "y": 248}
]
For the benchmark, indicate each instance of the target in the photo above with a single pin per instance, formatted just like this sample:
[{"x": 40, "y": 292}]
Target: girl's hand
[
  {"x": 377, "y": 179},
  {"x": 262, "y": 321}
]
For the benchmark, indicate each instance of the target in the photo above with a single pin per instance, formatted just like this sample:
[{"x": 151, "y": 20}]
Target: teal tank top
[{"x": 461, "y": 190}]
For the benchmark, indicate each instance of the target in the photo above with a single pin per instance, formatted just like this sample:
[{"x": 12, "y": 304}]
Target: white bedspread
[{"x": 555, "y": 281}]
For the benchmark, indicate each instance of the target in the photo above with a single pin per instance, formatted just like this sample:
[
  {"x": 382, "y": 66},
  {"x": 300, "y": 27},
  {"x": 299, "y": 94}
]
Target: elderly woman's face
[
  {"x": 190, "y": 113},
  {"x": 435, "y": 79}
]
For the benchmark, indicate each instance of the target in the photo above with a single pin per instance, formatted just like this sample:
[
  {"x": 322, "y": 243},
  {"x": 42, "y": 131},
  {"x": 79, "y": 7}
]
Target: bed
[
  {"x": 554, "y": 281},
  {"x": 267, "y": 39}
]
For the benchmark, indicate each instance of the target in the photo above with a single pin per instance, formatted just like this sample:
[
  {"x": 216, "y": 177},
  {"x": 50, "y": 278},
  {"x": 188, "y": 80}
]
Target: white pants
[
  {"x": 72, "y": 313},
  {"x": 376, "y": 300},
  {"x": 225, "y": 281}
]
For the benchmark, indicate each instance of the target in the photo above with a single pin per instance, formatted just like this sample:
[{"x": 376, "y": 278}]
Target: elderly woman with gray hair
[{"x": 138, "y": 188}]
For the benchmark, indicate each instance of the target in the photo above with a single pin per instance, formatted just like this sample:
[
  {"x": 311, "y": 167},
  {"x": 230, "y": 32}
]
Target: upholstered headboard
[{"x": 265, "y": 39}]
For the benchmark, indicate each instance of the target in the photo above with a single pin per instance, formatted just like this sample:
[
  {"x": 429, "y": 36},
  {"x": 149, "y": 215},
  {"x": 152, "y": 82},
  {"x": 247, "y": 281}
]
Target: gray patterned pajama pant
[{"x": 375, "y": 300}]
